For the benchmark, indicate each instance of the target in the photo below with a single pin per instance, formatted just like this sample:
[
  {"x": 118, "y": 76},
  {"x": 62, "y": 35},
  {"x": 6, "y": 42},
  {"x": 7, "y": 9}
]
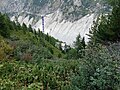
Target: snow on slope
[{"x": 61, "y": 29}]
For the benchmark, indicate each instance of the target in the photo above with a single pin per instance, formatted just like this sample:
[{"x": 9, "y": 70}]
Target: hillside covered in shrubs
[{"x": 30, "y": 60}]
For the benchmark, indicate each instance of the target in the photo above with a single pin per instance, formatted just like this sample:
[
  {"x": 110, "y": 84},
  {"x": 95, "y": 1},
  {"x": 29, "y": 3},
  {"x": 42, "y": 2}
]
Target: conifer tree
[
  {"x": 24, "y": 27},
  {"x": 47, "y": 37},
  {"x": 4, "y": 29},
  {"x": 18, "y": 27},
  {"x": 115, "y": 19},
  {"x": 39, "y": 32},
  {"x": 79, "y": 46},
  {"x": 30, "y": 28},
  {"x": 107, "y": 28}
]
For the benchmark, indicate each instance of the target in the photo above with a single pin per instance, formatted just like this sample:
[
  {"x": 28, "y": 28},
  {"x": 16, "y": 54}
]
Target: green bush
[
  {"x": 47, "y": 75},
  {"x": 99, "y": 71}
]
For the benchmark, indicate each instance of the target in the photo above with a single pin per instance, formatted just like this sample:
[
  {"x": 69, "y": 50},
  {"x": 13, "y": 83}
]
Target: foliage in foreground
[
  {"x": 99, "y": 70},
  {"x": 47, "y": 75},
  {"x": 96, "y": 71}
]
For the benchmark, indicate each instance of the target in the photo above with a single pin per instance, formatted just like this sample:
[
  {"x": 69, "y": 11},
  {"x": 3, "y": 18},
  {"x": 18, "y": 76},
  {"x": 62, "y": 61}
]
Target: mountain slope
[
  {"x": 24, "y": 43},
  {"x": 63, "y": 18}
]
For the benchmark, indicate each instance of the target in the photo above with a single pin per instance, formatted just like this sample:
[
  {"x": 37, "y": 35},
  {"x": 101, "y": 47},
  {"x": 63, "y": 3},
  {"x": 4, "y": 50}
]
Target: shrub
[
  {"x": 5, "y": 50},
  {"x": 47, "y": 75},
  {"x": 99, "y": 71}
]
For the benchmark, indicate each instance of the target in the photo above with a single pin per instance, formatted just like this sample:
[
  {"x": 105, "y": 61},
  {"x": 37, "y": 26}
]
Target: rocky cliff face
[{"x": 64, "y": 19}]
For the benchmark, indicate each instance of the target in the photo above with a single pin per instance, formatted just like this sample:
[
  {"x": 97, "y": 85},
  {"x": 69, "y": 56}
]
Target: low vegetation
[{"x": 30, "y": 60}]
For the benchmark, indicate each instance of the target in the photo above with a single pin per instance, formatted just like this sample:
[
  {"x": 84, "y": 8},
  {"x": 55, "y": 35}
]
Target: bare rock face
[
  {"x": 64, "y": 19},
  {"x": 78, "y": 3},
  {"x": 71, "y": 9}
]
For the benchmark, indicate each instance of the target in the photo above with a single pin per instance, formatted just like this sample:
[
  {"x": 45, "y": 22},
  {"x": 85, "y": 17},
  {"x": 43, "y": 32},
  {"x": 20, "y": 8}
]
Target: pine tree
[
  {"x": 35, "y": 32},
  {"x": 100, "y": 32},
  {"x": 24, "y": 28},
  {"x": 115, "y": 19},
  {"x": 18, "y": 26},
  {"x": 4, "y": 29},
  {"x": 47, "y": 37},
  {"x": 107, "y": 28},
  {"x": 79, "y": 46},
  {"x": 39, "y": 32},
  {"x": 30, "y": 28}
]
